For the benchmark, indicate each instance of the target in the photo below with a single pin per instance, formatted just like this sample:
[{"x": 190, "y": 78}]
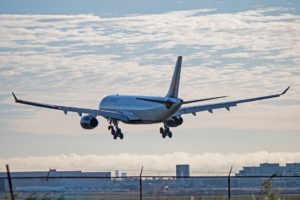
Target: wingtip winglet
[
  {"x": 285, "y": 90},
  {"x": 15, "y": 97}
]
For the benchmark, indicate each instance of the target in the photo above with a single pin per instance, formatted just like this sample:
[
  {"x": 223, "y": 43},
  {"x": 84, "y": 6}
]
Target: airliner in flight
[{"x": 167, "y": 110}]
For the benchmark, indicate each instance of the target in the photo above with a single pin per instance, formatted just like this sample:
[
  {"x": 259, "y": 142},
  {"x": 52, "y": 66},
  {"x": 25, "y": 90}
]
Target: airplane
[{"x": 167, "y": 110}]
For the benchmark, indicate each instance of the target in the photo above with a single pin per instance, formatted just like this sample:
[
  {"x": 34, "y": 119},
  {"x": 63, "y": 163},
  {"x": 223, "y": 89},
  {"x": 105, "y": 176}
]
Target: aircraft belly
[
  {"x": 139, "y": 112},
  {"x": 152, "y": 116},
  {"x": 149, "y": 115}
]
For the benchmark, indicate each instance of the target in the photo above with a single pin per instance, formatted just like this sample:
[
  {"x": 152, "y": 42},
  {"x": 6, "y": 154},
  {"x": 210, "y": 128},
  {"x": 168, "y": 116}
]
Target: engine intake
[
  {"x": 174, "y": 121},
  {"x": 88, "y": 122}
]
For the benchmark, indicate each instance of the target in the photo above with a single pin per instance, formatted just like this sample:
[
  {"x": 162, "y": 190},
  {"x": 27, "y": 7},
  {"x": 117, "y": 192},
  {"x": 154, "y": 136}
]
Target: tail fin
[{"x": 174, "y": 87}]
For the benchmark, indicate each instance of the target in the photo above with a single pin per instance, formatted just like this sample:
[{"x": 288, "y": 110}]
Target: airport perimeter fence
[{"x": 151, "y": 187}]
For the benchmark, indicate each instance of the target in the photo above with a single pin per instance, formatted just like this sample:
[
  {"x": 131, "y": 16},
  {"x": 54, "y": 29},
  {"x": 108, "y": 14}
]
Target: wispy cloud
[
  {"x": 240, "y": 54},
  {"x": 83, "y": 47}
]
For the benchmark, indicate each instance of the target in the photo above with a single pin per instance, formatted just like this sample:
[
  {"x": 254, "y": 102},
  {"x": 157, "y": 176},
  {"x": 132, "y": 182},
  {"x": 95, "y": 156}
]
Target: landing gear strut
[
  {"x": 165, "y": 131},
  {"x": 115, "y": 130}
]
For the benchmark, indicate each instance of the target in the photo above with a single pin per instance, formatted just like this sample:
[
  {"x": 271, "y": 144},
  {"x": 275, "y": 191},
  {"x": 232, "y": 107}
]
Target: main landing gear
[
  {"x": 165, "y": 131},
  {"x": 115, "y": 130}
]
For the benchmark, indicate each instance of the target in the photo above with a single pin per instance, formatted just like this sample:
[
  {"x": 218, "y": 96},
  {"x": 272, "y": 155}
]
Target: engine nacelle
[
  {"x": 88, "y": 122},
  {"x": 174, "y": 121}
]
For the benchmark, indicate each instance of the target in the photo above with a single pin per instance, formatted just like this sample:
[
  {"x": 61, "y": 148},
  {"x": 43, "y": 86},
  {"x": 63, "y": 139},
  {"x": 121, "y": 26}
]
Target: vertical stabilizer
[{"x": 174, "y": 87}]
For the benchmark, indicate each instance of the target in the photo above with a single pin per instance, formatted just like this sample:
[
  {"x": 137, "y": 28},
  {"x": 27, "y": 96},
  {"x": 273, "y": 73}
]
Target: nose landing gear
[{"x": 165, "y": 131}]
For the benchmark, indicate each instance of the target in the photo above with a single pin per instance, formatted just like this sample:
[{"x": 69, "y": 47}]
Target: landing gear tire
[
  {"x": 115, "y": 136},
  {"x": 119, "y": 134},
  {"x": 165, "y": 132},
  {"x": 161, "y": 130},
  {"x": 112, "y": 131},
  {"x": 118, "y": 131},
  {"x": 115, "y": 130}
]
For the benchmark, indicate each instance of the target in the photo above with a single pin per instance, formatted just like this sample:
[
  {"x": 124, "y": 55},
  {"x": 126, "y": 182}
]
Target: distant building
[
  {"x": 183, "y": 170},
  {"x": 53, "y": 180},
  {"x": 2, "y": 185},
  {"x": 124, "y": 175},
  {"x": 267, "y": 169},
  {"x": 292, "y": 169},
  {"x": 116, "y": 173}
]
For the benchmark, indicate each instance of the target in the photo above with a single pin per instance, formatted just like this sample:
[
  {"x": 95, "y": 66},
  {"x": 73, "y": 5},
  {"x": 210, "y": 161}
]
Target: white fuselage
[{"x": 141, "y": 112}]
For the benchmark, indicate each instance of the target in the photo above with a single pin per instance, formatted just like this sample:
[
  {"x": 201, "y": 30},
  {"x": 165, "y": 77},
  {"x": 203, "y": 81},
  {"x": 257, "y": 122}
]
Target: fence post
[
  {"x": 12, "y": 197},
  {"x": 141, "y": 184},
  {"x": 228, "y": 180}
]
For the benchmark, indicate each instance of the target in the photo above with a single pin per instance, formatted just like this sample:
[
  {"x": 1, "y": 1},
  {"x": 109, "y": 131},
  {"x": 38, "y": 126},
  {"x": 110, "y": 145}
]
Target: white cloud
[
  {"x": 154, "y": 164},
  {"x": 237, "y": 55},
  {"x": 80, "y": 58}
]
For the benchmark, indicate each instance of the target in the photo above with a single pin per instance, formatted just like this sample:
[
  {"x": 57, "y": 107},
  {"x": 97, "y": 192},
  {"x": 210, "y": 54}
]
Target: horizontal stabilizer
[{"x": 167, "y": 103}]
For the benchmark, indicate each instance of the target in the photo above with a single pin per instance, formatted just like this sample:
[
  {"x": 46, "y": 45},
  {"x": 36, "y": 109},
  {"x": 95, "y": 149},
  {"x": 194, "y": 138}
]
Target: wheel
[
  {"x": 170, "y": 134},
  {"x": 163, "y": 135},
  {"x": 161, "y": 130},
  {"x": 112, "y": 131},
  {"x": 118, "y": 131},
  {"x": 115, "y": 136},
  {"x": 121, "y": 136}
]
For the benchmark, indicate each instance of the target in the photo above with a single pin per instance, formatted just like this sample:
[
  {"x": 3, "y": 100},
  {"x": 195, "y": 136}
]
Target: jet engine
[
  {"x": 174, "y": 121},
  {"x": 88, "y": 122}
]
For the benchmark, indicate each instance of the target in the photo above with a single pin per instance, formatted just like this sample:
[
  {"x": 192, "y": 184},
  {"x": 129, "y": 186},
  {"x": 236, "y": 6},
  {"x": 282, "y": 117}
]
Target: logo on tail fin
[{"x": 174, "y": 86}]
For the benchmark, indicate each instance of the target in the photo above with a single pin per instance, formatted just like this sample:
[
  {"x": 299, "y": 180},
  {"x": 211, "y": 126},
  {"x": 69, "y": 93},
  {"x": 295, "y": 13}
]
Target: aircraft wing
[
  {"x": 227, "y": 105},
  {"x": 106, "y": 114}
]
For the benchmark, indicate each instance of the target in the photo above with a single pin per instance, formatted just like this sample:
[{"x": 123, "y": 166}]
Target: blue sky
[
  {"x": 76, "y": 52},
  {"x": 123, "y": 8}
]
